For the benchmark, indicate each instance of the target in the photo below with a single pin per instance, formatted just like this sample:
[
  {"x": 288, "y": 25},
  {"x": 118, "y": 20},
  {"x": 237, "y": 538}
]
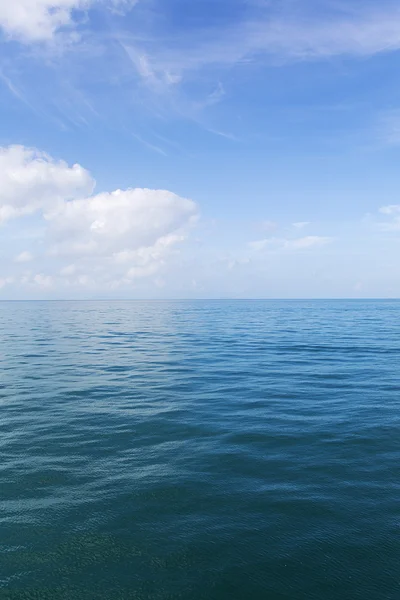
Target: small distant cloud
[
  {"x": 259, "y": 245},
  {"x": 301, "y": 224},
  {"x": 269, "y": 225},
  {"x": 238, "y": 262},
  {"x": 392, "y": 209},
  {"x": 45, "y": 281},
  {"x": 23, "y": 257},
  {"x": 358, "y": 286},
  {"x": 6, "y": 281},
  {"x": 309, "y": 241},
  {"x": 68, "y": 270},
  {"x": 393, "y": 212}
]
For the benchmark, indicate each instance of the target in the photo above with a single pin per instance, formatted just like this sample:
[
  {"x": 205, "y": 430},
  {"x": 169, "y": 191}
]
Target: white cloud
[
  {"x": 259, "y": 245},
  {"x": 393, "y": 213},
  {"x": 100, "y": 241},
  {"x": 392, "y": 209},
  {"x": 39, "y": 20},
  {"x": 5, "y": 281},
  {"x": 115, "y": 224},
  {"x": 68, "y": 270},
  {"x": 42, "y": 280},
  {"x": 279, "y": 244},
  {"x": 30, "y": 181},
  {"x": 120, "y": 237},
  {"x": 23, "y": 257},
  {"x": 301, "y": 224},
  {"x": 309, "y": 241}
]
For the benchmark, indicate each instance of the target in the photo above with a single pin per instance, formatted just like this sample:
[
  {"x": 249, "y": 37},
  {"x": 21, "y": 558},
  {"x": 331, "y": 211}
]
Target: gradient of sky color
[{"x": 199, "y": 148}]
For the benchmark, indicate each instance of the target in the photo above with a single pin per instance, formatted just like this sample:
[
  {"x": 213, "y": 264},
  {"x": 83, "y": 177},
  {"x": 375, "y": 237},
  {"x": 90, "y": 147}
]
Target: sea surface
[{"x": 210, "y": 450}]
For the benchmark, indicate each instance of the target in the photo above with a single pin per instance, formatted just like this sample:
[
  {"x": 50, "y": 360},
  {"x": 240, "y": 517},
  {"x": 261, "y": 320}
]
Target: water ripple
[{"x": 200, "y": 450}]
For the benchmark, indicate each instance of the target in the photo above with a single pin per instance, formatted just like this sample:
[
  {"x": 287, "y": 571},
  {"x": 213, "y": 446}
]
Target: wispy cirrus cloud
[
  {"x": 177, "y": 72},
  {"x": 189, "y": 68},
  {"x": 270, "y": 35}
]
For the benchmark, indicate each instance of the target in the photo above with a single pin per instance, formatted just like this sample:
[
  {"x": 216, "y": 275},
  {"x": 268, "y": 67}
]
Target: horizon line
[{"x": 225, "y": 299}]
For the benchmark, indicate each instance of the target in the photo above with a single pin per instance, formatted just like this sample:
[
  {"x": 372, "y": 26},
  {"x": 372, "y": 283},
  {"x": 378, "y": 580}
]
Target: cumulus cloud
[
  {"x": 121, "y": 221},
  {"x": 30, "y": 180},
  {"x": 121, "y": 236},
  {"x": 39, "y": 20},
  {"x": 103, "y": 240}
]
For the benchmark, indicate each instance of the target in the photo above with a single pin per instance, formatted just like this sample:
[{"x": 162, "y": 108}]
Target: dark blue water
[{"x": 200, "y": 450}]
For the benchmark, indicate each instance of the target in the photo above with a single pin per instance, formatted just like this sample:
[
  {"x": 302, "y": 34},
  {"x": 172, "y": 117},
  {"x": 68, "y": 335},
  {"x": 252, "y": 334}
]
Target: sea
[{"x": 200, "y": 450}]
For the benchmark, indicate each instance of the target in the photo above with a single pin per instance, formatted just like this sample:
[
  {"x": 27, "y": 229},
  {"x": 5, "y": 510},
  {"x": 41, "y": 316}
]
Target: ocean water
[{"x": 200, "y": 450}]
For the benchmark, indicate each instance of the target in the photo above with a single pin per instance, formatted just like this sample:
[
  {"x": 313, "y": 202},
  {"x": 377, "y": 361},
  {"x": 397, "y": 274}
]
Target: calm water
[{"x": 200, "y": 450}]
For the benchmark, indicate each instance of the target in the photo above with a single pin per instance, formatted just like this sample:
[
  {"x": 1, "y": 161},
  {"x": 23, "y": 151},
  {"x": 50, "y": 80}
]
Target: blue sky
[{"x": 254, "y": 144}]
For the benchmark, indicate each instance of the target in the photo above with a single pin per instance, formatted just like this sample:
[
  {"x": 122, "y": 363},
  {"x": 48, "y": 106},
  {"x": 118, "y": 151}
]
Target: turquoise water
[{"x": 200, "y": 450}]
